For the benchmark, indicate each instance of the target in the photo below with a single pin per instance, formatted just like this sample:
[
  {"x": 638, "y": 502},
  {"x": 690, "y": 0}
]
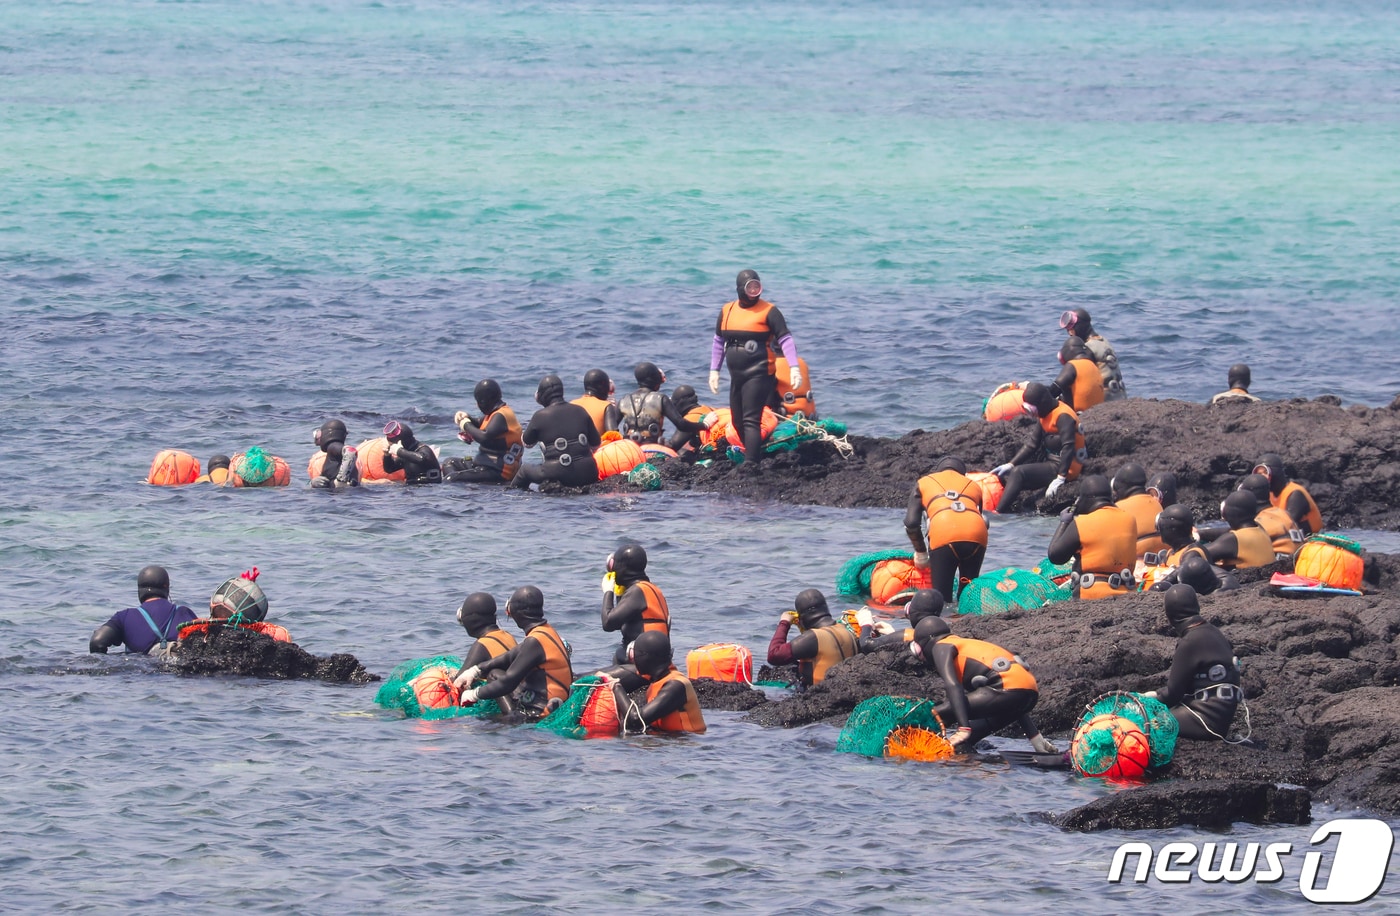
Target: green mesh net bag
[
  {"x": 1151, "y": 716},
  {"x": 422, "y": 689},
  {"x": 1008, "y": 589},
  {"x": 1055, "y": 572},
  {"x": 1337, "y": 540},
  {"x": 589, "y": 712},
  {"x": 876, "y": 721},
  {"x": 853, "y": 579},
  {"x": 645, "y": 475},
  {"x": 789, "y": 434},
  {"x": 254, "y": 466}
]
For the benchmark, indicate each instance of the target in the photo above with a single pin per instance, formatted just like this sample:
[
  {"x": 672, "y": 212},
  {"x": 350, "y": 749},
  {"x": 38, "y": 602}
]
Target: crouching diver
[
  {"x": 925, "y": 602},
  {"x": 417, "y": 460},
  {"x": 538, "y": 665},
  {"x": 477, "y": 615},
  {"x": 497, "y": 436},
  {"x": 1203, "y": 685},
  {"x": 1130, "y": 494},
  {"x": 1289, "y": 495},
  {"x": 1176, "y": 526},
  {"x": 631, "y": 602},
  {"x": 339, "y": 468},
  {"x": 566, "y": 434},
  {"x": 988, "y": 687},
  {"x": 956, "y": 543},
  {"x": 824, "y": 642},
  {"x": 671, "y": 704},
  {"x": 687, "y": 442},
  {"x": 1057, "y": 447},
  {"x": 1102, "y": 540},
  {"x": 155, "y": 622}
]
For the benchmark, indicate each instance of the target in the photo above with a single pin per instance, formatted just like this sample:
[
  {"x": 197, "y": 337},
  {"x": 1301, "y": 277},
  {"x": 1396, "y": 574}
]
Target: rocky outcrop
[
  {"x": 1213, "y": 804},
  {"x": 229, "y": 650}
]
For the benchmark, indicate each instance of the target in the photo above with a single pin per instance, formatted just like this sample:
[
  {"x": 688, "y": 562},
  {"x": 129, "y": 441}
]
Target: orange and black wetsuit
[
  {"x": 1144, "y": 508},
  {"x": 815, "y": 652},
  {"x": 1080, "y": 384},
  {"x": 1059, "y": 445},
  {"x": 539, "y": 664},
  {"x": 1103, "y": 544},
  {"x": 639, "y": 609},
  {"x": 746, "y": 334},
  {"x": 1299, "y": 504},
  {"x": 957, "y": 532},
  {"x": 488, "y": 645},
  {"x": 604, "y": 413},
  {"x": 1241, "y": 548},
  {"x": 988, "y": 687},
  {"x": 1287, "y": 537},
  {"x": 499, "y": 449}
]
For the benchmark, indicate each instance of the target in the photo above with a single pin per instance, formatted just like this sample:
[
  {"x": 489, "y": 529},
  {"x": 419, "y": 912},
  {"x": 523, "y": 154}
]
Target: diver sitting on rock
[
  {"x": 988, "y": 687},
  {"x": 1080, "y": 383},
  {"x": 1057, "y": 447},
  {"x": 538, "y": 665},
  {"x": 1203, "y": 685},
  {"x": 497, "y": 435},
  {"x": 823, "y": 644},
  {"x": 567, "y": 436},
  {"x": 1287, "y": 537},
  {"x": 686, "y": 443},
  {"x": 646, "y": 410},
  {"x": 1245, "y": 545},
  {"x": 597, "y": 399},
  {"x": 631, "y": 601},
  {"x": 1290, "y": 495},
  {"x": 671, "y": 704},
  {"x": 1130, "y": 494},
  {"x": 1100, "y": 538},
  {"x": 154, "y": 623}
]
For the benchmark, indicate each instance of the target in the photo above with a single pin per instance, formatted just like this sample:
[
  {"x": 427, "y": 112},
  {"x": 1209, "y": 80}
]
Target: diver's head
[
  {"x": 811, "y": 607},
  {"x": 1175, "y": 526},
  {"x": 1258, "y": 485},
  {"x": 651, "y": 654},
  {"x": 1073, "y": 348},
  {"x": 1095, "y": 492},
  {"x": 629, "y": 564},
  {"x": 219, "y": 462},
  {"x": 477, "y": 615},
  {"x": 950, "y": 463},
  {"x": 685, "y": 399},
  {"x": 1239, "y": 509},
  {"x": 1130, "y": 480},
  {"x": 1076, "y": 321},
  {"x": 152, "y": 582},
  {"x": 748, "y": 286},
  {"x": 1037, "y": 400},
  {"x": 488, "y": 395},
  {"x": 1182, "y": 606},
  {"x": 526, "y": 607},
  {"x": 401, "y": 433},
  {"x": 1238, "y": 376},
  {"x": 649, "y": 376},
  {"x": 330, "y": 431},
  {"x": 597, "y": 383},
  {"x": 1163, "y": 486},
  {"x": 926, "y": 602},
  {"x": 931, "y": 629},
  {"x": 1271, "y": 466},
  {"x": 549, "y": 391}
]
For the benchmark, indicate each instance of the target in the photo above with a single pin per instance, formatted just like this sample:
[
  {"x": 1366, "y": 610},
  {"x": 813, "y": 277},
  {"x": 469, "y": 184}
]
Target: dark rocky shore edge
[{"x": 1320, "y": 674}]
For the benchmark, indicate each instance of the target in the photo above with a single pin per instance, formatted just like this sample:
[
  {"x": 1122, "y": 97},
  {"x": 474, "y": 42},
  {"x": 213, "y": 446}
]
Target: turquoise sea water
[{"x": 221, "y": 223}]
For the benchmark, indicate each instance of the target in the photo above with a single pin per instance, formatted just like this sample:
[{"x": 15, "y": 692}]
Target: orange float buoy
[
  {"x": 369, "y": 458},
  {"x": 656, "y": 452},
  {"x": 1004, "y": 404},
  {"x": 313, "y": 467},
  {"x": 599, "y": 718},
  {"x": 717, "y": 661},
  {"x": 1333, "y": 564},
  {"x": 256, "y": 468},
  {"x": 991, "y": 489},
  {"x": 618, "y": 457},
  {"x": 434, "y": 689},
  {"x": 767, "y": 424},
  {"x": 1110, "y": 746},
  {"x": 173, "y": 468},
  {"x": 893, "y": 582}
]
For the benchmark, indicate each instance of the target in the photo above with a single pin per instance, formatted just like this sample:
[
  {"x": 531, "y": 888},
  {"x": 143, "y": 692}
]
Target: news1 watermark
[{"x": 1357, "y": 864}]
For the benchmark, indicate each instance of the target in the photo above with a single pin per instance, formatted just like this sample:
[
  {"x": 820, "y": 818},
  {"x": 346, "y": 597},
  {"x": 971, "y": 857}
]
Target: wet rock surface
[
  {"x": 229, "y": 650},
  {"x": 1212, "y": 804},
  {"x": 1345, "y": 456},
  {"x": 1320, "y": 680}
]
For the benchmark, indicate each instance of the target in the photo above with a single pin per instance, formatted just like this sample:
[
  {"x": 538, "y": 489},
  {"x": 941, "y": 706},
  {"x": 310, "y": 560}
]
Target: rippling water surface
[{"x": 221, "y": 223}]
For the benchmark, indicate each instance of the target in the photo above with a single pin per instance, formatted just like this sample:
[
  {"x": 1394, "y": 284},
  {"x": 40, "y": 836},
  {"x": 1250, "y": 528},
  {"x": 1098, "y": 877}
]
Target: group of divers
[{"x": 1119, "y": 535}]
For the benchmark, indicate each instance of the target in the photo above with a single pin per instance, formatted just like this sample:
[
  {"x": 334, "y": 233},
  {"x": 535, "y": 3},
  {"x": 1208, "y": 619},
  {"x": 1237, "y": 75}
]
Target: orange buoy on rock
[
  {"x": 716, "y": 661},
  {"x": 767, "y": 424},
  {"x": 173, "y": 468},
  {"x": 1332, "y": 560},
  {"x": 1004, "y": 404},
  {"x": 618, "y": 457}
]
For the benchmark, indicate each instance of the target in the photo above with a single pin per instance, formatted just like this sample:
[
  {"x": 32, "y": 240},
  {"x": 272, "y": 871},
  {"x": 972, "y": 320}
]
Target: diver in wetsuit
[
  {"x": 597, "y": 400},
  {"x": 1102, "y": 540},
  {"x": 339, "y": 469},
  {"x": 1276, "y": 522},
  {"x": 1130, "y": 494},
  {"x": 671, "y": 704},
  {"x": 477, "y": 615},
  {"x": 217, "y": 474},
  {"x": 1238, "y": 380},
  {"x": 567, "y": 436},
  {"x": 956, "y": 543},
  {"x": 1203, "y": 685},
  {"x": 538, "y": 665},
  {"x": 1245, "y": 545},
  {"x": 417, "y": 459},
  {"x": 646, "y": 410},
  {"x": 631, "y": 602},
  {"x": 497, "y": 435},
  {"x": 1163, "y": 486},
  {"x": 154, "y": 623},
  {"x": 925, "y": 602},
  {"x": 1080, "y": 383},
  {"x": 685, "y": 442},
  {"x": 988, "y": 687},
  {"x": 824, "y": 642},
  {"x": 1076, "y": 322},
  {"x": 1057, "y": 446},
  {"x": 1290, "y": 495},
  {"x": 747, "y": 331}
]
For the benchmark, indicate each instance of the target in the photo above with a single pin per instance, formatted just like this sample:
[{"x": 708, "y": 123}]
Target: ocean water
[{"x": 221, "y": 223}]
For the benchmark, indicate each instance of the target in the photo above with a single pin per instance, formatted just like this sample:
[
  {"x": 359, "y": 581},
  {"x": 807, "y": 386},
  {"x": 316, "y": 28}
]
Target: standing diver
[
  {"x": 671, "y": 704},
  {"x": 631, "y": 602},
  {"x": 1203, "y": 685},
  {"x": 597, "y": 400},
  {"x": 539, "y": 663},
  {"x": 824, "y": 642},
  {"x": 747, "y": 331},
  {"x": 497, "y": 436},
  {"x": 154, "y": 622},
  {"x": 417, "y": 459},
  {"x": 988, "y": 687},
  {"x": 646, "y": 410},
  {"x": 567, "y": 436},
  {"x": 1057, "y": 446},
  {"x": 339, "y": 468},
  {"x": 1102, "y": 540},
  {"x": 1289, "y": 495},
  {"x": 1076, "y": 322},
  {"x": 956, "y": 543}
]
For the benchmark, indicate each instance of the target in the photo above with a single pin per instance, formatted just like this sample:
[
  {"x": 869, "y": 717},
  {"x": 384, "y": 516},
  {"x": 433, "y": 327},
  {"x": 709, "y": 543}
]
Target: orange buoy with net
[
  {"x": 767, "y": 424},
  {"x": 256, "y": 468},
  {"x": 893, "y": 582},
  {"x": 1004, "y": 404},
  {"x": 369, "y": 458},
  {"x": 1110, "y": 746},
  {"x": 1332, "y": 560},
  {"x": 716, "y": 661},
  {"x": 991, "y": 488},
  {"x": 173, "y": 468},
  {"x": 618, "y": 457},
  {"x": 599, "y": 718},
  {"x": 716, "y": 435},
  {"x": 911, "y": 742},
  {"x": 434, "y": 689},
  {"x": 656, "y": 452}
]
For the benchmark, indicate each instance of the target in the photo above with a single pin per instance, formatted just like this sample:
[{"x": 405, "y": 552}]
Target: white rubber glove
[
  {"x": 1002, "y": 470},
  {"x": 1042, "y": 745},
  {"x": 960, "y": 737},
  {"x": 714, "y": 381},
  {"x": 795, "y": 378},
  {"x": 789, "y": 616},
  {"x": 710, "y": 419},
  {"x": 394, "y": 449},
  {"x": 884, "y": 628},
  {"x": 466, "y": 677},
  {"x": 1151, "y": 694},
  {"x": 609, "y": 582},
  {"x": 469, "y": 696},
  {"x": 1054, "y": 487},
  {"x": 921, "y": 560},
  {"x": 864, "y": 617},
  {"x": 460, "y": 417}
]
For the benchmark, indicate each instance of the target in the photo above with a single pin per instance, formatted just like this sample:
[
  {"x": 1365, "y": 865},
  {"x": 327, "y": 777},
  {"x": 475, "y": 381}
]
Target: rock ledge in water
[
  {"x": 229, "y": 650},
  {"x": 1213, "y": 804}
]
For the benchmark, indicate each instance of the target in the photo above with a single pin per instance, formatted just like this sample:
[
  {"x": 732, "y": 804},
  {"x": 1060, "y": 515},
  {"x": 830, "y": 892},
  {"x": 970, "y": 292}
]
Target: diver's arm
[{"x": 529, "y": 655}]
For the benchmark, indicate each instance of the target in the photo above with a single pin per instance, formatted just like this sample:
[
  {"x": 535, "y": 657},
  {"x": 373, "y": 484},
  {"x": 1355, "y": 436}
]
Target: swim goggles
[
  {"x": 1067, "y": 319},
  {"x": 393, "y": 430},
  {"x": 1031, "y": 410},
  {"x": 753, "y": 289}
]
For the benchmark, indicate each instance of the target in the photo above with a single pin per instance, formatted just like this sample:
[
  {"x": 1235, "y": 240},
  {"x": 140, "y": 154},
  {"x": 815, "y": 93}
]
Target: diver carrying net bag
[
  {"x": 901, "y": 727},
  {"x": 422, "y": 689},
  {"x": 1104, "y": 741},
  {"x": 589, "y": 712}
]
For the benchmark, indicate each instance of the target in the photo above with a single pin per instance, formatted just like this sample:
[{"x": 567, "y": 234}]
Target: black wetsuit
[
  {"x": 751, "y": 385},
  {"x": 1055, "y": 454},
  {"x": 331, "y": 468},
  {"x": 419, "y": 463},
  {"x": 670, "y": 698},
  {"x": 522, "y": 667},
  {"x": 1204, "y": 661},
  {"x": 976, "y": 699},
  {"x": 493, "y": 452},
  {"x": 644, "y": 413},
  {"x": 567, "y": 435}
]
